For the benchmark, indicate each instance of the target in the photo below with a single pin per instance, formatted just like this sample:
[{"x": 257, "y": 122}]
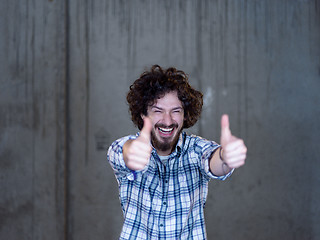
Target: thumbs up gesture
[
  {"x": 234, "y": 151},
  {"x": 137, "y": 152}
]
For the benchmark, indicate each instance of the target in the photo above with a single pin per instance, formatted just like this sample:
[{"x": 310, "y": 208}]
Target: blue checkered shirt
[{"x": 165, "y": 201}]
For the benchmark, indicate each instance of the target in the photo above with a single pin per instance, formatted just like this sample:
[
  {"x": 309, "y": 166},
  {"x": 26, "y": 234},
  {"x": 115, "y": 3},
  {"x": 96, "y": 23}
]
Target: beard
[{"x": 162, "y": 143}]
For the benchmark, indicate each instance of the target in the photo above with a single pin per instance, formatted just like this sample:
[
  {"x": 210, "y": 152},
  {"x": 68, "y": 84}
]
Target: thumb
[
  {"x": 146, "y": 129},
  {"x": 225, "y": 129}
]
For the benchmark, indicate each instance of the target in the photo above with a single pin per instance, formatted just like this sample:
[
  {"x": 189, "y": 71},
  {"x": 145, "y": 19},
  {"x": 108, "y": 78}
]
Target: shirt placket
[{"x": 165, "y": 173}]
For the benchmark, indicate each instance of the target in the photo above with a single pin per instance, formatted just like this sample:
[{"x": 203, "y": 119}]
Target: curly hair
[{"x": 154, "y": 84}]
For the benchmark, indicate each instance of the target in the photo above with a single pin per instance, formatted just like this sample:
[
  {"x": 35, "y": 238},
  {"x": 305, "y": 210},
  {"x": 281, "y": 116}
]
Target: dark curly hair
[{"x": 154, "y": 84}]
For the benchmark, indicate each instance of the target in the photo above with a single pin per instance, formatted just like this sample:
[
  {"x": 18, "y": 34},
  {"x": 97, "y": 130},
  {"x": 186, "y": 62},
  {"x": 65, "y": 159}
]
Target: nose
[{"x": 167, "y": 119}]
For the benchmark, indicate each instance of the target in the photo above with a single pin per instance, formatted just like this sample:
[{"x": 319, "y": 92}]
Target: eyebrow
[
  {"x": 177, "y": 108},
  {"x": 152, "y": 107}
]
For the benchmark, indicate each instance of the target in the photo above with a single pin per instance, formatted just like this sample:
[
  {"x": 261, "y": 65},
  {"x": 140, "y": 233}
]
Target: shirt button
[
  {"x": 164, "y": 203},
  {"x": 161, "y": 225},
  {"x": 166, "y": 181}
]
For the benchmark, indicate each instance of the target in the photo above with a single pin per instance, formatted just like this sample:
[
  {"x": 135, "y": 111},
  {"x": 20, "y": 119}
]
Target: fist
[
  {"x": 137, "y": 152},
  {"x": 234, "y": 150}
]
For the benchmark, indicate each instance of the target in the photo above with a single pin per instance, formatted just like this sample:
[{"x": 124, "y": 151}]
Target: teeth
[{"x": 166, "y": 130}]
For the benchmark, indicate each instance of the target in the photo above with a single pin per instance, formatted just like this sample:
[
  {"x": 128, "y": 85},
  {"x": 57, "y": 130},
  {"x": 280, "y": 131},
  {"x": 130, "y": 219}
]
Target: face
[{"x": 167, "y": 116}]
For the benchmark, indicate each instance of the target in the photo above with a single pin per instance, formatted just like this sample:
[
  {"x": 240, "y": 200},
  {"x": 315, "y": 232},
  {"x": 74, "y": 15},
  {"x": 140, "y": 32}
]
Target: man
[{"x": 162, "y": 172}]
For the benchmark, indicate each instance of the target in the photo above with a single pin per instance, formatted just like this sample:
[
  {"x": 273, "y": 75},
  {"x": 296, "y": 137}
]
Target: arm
[{"x": 217, "y": 166}]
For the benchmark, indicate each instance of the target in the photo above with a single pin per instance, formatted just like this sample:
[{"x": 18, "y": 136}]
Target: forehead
[{"x": 169, "y": 100}]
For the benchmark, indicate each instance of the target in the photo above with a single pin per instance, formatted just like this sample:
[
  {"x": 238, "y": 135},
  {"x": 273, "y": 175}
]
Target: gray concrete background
[{"x": 65, "y": 70}]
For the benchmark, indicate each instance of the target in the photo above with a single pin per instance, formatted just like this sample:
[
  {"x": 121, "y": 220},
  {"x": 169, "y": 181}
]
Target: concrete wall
[
  {"x": 65, "y": 70},
  {"x": 32, "y": 120}
]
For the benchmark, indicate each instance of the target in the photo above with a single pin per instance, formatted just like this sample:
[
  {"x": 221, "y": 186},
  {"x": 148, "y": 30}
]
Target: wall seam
[{"x": 67, "y": 123}]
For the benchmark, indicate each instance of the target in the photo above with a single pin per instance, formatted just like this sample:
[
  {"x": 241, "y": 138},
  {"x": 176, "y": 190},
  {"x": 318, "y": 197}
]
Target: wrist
[
  {"x": 220, "y": 153},
  {"x": 225, "y": 167}
]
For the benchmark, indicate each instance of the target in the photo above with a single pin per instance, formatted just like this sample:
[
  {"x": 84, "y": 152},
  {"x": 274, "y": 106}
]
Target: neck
[{"x": 164, "y": 153}]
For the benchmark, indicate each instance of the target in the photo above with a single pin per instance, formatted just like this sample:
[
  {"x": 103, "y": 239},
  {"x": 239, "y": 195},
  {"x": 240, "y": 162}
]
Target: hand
[
  {"x": 136, "y": 153},
  {"x": 234, "y": 151}
]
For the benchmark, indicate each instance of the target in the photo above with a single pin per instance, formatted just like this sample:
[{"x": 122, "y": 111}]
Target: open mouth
[{"x": 166, "y": 131}]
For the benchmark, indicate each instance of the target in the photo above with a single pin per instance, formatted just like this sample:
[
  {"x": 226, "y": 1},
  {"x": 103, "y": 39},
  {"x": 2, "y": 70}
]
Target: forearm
[{"x": 217, "y": 166}]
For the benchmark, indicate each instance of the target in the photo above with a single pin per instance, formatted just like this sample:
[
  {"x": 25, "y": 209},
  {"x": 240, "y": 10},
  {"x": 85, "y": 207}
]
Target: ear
[{"x": 142, "y": 116}]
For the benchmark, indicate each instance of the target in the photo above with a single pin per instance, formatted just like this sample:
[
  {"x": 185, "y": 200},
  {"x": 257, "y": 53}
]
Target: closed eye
[
  {"x": 156, "y": 111},
  {"x": 178, "y": 110}
]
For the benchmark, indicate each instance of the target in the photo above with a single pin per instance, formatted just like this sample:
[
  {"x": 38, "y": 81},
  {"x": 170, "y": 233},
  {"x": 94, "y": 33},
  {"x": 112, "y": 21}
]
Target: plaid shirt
[{"x": 165, "y": 201}]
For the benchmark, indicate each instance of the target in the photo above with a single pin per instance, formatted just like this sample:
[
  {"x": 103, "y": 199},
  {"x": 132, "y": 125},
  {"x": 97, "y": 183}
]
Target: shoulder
[
  {"x": 198, "y": 143},
  {"x": 118, "y": 144},
  {"x": 197, "y": 140}
]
